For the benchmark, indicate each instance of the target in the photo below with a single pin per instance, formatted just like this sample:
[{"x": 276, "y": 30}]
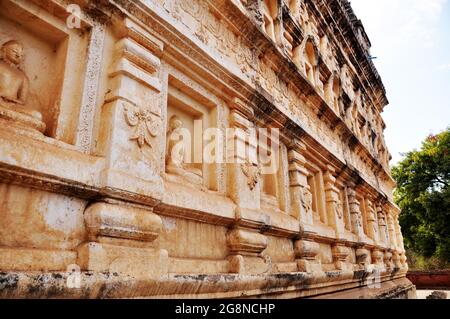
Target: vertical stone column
[
  {"x": 132, "y": 127},
  {"x": 298, "y": 185},
  {"x": 243, "y": 170},
  {"x": 382, "y": 226},
  {"x": 387, "y": 245},
  {"x": 391, "y": 230},
  {"x": 334, "y": 207},
  {"x": 335, "y": 216},
  {"x": 378, "y": 254},
  {"x": 121, "y": 235},
  {"x": 244, "y": 240},
  {"x": 372, "y": 222},
  {"x": 306, "y": 250},
  {"x": 355, "y": 213},
  {"x": 402, "y": 260}
]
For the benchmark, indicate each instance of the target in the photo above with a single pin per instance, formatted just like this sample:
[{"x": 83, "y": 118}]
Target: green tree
[{"x": 423, "y": 194}]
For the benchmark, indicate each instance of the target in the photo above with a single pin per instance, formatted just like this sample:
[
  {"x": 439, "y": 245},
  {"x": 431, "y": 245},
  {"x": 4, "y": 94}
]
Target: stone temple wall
[{"x": 108, "y": 110}]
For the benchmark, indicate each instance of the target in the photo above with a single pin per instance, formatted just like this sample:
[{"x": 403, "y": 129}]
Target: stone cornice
[{"x": 347, "y": 54}]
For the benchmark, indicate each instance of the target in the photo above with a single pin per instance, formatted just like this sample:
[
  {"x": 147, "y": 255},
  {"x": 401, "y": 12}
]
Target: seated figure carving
[
  {"x": 14, "y": 83},
  {"x": 176, "y": 150}
]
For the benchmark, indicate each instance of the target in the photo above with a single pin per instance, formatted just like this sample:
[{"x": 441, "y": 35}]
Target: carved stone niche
[
  {"x": 188, "y": 116},
  {"x": 273, "y": 180},
  {"x": 271, "y": 25},
  {"x": 42, "y": 65}
]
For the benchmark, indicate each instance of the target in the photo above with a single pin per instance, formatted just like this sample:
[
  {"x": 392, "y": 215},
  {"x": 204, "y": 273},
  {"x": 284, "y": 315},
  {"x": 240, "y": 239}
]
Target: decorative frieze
[{"x": 139, "y": 198}]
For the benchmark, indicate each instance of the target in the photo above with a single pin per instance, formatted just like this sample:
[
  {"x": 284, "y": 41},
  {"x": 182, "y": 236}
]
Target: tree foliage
[{"x": 423, "y": 194}]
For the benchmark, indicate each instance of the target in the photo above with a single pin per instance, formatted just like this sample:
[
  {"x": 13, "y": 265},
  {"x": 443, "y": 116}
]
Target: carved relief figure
[
  {"x": 14, "y": 84},
  {"x": 253, "y": 173},
  {"x": 176, "y": 150},
  {"x": 373, "y": 219},
  {"x": 358, "y": 221},
  {"x": 333, "y": 92},
  {"x": 307, "y": 199},
  {"x": 338, "y": 209}
]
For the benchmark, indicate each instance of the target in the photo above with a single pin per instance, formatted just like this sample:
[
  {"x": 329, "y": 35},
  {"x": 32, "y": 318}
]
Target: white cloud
[
  {"x": 401, "y": 21},
  {"x": 444, "y": 67}
]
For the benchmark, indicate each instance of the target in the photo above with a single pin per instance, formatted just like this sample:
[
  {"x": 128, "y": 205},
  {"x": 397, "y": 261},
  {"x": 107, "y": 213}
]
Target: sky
[{"x": 411, "y": 40}]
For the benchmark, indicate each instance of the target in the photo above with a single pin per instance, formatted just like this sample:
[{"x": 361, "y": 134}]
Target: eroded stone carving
[
  {"x": 146, "y": 125},
  {"x": 252, "y": 172},
  {"x": 338, "y": 208},
  {"x": 275, "y": 242},
  {"x": 307, "y": 199},
  {"x": 14, "y": 83},
  {"x": 176, "y": 151},
  {"x": 14, "y": 87}
]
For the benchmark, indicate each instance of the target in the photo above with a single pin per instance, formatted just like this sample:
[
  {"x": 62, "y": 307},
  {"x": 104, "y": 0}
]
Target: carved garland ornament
[
  {"x": 145, "y": 123},
  {"x": 253, "y": 172}
]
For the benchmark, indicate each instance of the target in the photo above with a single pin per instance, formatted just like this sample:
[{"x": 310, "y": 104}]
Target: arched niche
[
  {"x": 333, "y": 91},
  {"x": 306, "y": 57},
  {"x": 270, "y": 12}
]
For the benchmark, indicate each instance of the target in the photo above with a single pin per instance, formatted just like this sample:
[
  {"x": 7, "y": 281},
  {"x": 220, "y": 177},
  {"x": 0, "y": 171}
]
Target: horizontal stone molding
[{"x": 116, "y": 221}]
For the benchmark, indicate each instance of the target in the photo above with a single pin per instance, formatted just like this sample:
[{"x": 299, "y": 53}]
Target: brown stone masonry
[{"x": 111, "y": 110}]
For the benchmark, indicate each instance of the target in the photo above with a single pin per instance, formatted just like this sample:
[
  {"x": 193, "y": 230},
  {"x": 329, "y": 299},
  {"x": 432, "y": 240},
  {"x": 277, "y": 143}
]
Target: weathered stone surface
[
  {"x": 197, "y": 149},
  {"x": 438, "y": 295}
]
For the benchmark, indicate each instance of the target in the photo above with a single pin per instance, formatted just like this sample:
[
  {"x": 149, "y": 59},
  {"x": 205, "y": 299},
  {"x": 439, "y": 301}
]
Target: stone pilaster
[
  {"x": 391, "y": 231},
  {"x": 372, "y": 222},
  {"x": 298, "y": 185},
  {"x": 382, "y": 227},
  {"x": 244, "y": 172},
  {"x": 130, "y": 134},
  {"x": 355, "y": 214},
  {"x": 131, "y": 127},
  {"x": 245, "y": 242},
  {"x": 400, "y": 242},
  {"x": 335, "y": 212}
]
